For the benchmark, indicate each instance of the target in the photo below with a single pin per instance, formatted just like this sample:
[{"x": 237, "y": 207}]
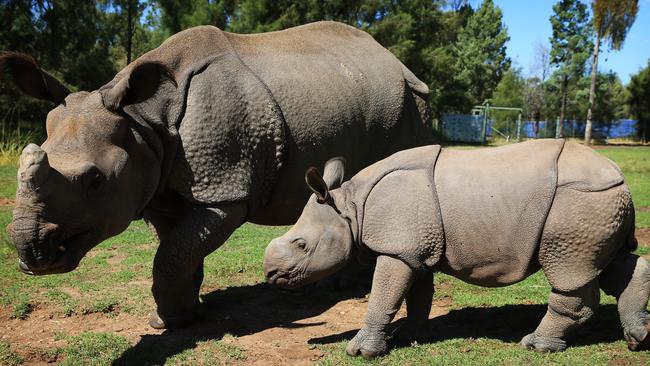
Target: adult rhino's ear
[
  {"x": 30, "y": 78},
  {"x": 316, "y": 184},
  {"x": 139, "y": 85},
  {"x": 334, "y": 172}
]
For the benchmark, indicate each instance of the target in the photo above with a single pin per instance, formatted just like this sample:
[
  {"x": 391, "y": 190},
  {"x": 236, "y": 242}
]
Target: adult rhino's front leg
[
  {"x": 178, "y": 265},
  {"x": 390, "y": 284}
]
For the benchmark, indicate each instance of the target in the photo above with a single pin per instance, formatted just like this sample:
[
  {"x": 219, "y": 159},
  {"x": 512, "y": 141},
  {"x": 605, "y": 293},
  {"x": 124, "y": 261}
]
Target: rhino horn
[{"x": 33, "y": 169}]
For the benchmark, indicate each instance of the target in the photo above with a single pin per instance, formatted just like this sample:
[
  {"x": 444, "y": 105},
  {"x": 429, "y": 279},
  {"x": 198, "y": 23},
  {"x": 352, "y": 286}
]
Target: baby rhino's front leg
[{"x": 390, "y": 284}]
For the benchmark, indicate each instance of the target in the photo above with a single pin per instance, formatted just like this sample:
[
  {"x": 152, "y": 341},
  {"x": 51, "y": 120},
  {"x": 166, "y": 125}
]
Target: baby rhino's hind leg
[
  {"x": 628, "y": 279},
  {"x": 566, "y": 311},
  {"x": 418, "y": 306}
]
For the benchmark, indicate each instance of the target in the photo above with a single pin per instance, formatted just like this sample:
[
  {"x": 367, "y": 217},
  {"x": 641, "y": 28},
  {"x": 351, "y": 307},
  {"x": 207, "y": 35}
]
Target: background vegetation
[{"x": 457, "y": 46}]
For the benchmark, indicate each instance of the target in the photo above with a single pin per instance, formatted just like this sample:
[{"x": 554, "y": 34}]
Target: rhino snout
[
  {"x": 277, "y": 263},
  {"x": 34, "y": 242},
  {"x": 43, "y": 247}
]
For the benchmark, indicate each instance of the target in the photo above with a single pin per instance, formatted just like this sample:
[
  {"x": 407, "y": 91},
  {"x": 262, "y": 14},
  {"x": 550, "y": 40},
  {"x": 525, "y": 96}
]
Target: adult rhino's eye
[{"x": 300, "y": 243}]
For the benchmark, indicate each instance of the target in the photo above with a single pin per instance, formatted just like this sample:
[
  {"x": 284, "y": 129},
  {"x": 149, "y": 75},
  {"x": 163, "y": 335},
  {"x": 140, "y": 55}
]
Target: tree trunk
[
  {"x": 592, "y": 90},
  {"x": 565, "y": 91}
]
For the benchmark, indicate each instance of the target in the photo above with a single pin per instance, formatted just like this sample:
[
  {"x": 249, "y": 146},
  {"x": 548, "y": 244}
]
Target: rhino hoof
[
  {"x": 638, "y": 339},
  {"x": 367, "y": 344},
  {"x": 156, "y": 322},
  {"x": 543, "y": 344}
]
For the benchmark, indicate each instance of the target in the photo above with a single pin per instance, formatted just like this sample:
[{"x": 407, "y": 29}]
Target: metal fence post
[
  {"x": 557, "y": 128},
  {"x": 518, "y": 127}
]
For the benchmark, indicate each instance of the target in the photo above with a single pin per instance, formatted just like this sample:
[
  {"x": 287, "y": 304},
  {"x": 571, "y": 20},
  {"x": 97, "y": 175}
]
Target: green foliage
[
  {"x": 571, "y": 39},
  {"x": 610, "y": 102},
  {"x": 613, "y": 19},
  {"x": 611, "y": 99},
  {"x": 481, "y": 52},
  {"x": 93, "y": 349},
  {"x": 638, "y": 97},
  {"x": 22, "y": 307},
  {"x": 570, "y": 46},
  {"x": 508, "y": 93},
  {"x": 418, "y": 32}
]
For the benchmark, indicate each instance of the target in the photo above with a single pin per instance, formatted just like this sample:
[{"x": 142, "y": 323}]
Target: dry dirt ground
[{"x": 272, "y": 327}]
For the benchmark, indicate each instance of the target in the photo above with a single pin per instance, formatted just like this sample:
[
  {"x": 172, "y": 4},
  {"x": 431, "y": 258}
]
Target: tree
[
  {"x": 534, "y": 96},
  {"x": 612, "y": 20},
  {"x": 70, "y": 39},
  {"x": 639, "y": 95},
  {"x": 570, "y": 45},
  {"x": 541, "y": 65},
  {"x": 508, "y": 94},
  {"x": 481, "y": 52}
]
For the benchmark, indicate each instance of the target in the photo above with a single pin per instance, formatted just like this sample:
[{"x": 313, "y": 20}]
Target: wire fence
[{"x": 475, "y": 128}]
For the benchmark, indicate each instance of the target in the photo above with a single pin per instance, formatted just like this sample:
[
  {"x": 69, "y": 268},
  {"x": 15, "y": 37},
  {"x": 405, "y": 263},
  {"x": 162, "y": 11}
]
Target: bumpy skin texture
[
  {"x": 409, "y": 213},
  {"x": 211, "y": 129}
]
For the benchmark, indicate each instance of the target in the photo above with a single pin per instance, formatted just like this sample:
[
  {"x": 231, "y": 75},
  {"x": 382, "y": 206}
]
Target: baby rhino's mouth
[{"x": 281, "y": 279}]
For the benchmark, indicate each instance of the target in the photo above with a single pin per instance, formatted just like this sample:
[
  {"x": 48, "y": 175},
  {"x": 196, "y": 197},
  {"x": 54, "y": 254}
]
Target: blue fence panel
[
  {"x": 615, "y": 129},
  {"x": 462, "y": 127}
]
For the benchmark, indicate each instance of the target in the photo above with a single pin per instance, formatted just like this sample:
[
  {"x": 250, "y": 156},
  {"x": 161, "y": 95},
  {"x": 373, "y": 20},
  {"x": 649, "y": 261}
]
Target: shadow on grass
[
  {"x": 250, "y": 309},
  {"x": 240, "y": 311},
  {"x": 507, "y": 323}
]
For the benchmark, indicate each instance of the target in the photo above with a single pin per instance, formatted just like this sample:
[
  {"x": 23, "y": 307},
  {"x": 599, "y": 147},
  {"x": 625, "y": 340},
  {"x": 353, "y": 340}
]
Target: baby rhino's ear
[
  {"x": 334, "y": 172},
  {"x": 316, "y": 184}
]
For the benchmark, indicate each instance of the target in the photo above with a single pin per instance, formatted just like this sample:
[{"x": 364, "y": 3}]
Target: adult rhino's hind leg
[
  {"x": 566, "y": 311},
  {"x": 628, "y": 279},
  {"x": 178, "y": 265}
]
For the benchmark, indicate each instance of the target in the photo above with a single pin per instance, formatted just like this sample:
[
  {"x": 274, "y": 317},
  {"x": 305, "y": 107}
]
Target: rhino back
[
  {"x": 494, "y": 203},
  {"x": 583, "y": 169},
  {"x": 331, "y": 73},
  {"x": 341, "y": 94}
]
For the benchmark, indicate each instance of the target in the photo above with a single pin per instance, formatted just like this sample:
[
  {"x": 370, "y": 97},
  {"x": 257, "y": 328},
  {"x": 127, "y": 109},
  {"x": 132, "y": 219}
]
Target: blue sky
[{"x": 528, "y": 24}]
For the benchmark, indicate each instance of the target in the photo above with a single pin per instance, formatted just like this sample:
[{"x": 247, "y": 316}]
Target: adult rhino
[{"x": 207, "y": 131}]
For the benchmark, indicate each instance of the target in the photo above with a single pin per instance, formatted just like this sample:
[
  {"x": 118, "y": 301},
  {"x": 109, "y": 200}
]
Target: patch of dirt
[
  {"x": 643, "y": 236},
  {"x": 272, "y": 327},
  {"x": 6, "y": 202}
]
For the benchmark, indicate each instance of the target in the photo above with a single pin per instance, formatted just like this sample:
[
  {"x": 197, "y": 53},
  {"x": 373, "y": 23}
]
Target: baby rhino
[{"x": 490, "y": 217}]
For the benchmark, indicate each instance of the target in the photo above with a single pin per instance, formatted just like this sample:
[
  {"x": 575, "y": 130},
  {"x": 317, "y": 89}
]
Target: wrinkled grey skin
[
  {"x": 577, "y": 225},
  {"x": 207, "y": 131}
]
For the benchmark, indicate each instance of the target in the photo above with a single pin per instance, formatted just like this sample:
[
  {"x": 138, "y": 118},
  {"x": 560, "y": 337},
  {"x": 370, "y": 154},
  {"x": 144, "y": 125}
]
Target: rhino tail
[{"x": 418, "y": 86}]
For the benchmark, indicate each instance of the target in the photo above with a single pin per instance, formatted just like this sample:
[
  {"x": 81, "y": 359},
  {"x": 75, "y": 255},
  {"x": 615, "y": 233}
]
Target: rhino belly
[{"x": 494, "y": 203}]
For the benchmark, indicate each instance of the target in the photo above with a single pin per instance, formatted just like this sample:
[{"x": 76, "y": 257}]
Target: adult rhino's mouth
[{"x": 65, "y": 257}]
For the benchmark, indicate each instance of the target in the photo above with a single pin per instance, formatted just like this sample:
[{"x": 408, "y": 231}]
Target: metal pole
[
  {"x": 557, "y": 128},
  {"x": 485, "y": 120}
]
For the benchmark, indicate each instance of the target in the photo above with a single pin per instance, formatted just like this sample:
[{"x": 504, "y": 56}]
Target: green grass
[
  {"x": 635, "y": 164},
  {"x": 7, "y": 356},
  {"x": 115, "y": 277},
  {"x": 483, "y": 351},
  {"x": 93, "y": 349}
]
